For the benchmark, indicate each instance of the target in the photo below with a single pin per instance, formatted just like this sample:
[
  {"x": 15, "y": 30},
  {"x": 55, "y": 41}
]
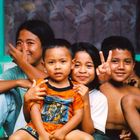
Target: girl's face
[
  {"x": 121, "y": 65},
  {"x": 30, "y": 44},
  {"x": 83, "y": 70}
]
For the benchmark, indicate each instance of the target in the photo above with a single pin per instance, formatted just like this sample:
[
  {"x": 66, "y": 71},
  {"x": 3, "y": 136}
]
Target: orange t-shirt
[{"x": 58, "y": 106}]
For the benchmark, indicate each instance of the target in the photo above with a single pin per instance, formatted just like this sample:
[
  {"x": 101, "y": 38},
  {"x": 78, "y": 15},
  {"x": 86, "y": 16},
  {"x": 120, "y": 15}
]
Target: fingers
[
  {"x": 39, "y": 84},
  {"x": 81, "y": 89},
  {"x": 102, "y": 57},
  {"x": 34, "y": 83},
  {"x": 109, "y": 56},
  {"x": 42, "y": 82}
]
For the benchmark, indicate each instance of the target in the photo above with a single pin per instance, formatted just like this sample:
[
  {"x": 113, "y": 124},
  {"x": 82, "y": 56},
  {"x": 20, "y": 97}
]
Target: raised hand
[
  {"x": 82, "y": 90},
  {"x": 103, "y": 71},
  {"x": 17, "y": 54}
]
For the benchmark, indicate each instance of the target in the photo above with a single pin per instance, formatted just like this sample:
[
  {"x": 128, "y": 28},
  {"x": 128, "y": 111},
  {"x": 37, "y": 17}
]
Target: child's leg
[
  {"x": 78, "y": 135},
  {"x": 21, "y": 135}
]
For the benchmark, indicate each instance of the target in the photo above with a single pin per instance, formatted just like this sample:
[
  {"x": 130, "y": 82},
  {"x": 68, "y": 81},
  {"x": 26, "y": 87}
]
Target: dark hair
[
  {"x": 114, "y": 42},
  {"x": 94, "y": 54},
  {"x": 55, "y": 43},
  {"x": 38, "y": 27}
]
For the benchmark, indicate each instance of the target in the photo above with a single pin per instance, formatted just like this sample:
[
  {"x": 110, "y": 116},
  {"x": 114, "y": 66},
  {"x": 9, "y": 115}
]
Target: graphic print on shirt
[{"x": 56, "y": 109}]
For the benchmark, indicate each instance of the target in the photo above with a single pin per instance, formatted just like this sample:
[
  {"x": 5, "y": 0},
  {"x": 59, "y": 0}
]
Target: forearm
[
  {"x": 87, "y": 123},
  {"x": 37, "y": 120},
  {"x": 26, "y": 110},
  {"x": 73, "y": 122},
  {"x": 31, "y": 71},
  {"x": 6, "y": 85}
]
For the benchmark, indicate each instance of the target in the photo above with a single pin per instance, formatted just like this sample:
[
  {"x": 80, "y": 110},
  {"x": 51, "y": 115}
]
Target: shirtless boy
[{"x": 112, "y": 73}]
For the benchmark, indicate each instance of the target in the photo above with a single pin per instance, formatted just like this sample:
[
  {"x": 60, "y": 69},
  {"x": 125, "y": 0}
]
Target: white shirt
[{"x": 99, "y": 109}]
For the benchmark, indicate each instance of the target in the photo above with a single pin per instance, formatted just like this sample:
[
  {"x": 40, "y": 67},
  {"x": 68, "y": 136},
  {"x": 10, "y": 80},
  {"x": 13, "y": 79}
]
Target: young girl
[{"x": 86, "y": 60}]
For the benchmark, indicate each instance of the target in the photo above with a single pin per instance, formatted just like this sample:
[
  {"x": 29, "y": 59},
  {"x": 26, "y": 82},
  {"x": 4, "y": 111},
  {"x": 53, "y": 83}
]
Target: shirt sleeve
[{"x": 78, "y": 102}]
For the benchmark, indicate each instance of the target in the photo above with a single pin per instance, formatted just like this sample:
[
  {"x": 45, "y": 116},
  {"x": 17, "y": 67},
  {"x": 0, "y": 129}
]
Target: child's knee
[
  {"x": 14, "y": 137},
  {"x": 89, "y": 138}
]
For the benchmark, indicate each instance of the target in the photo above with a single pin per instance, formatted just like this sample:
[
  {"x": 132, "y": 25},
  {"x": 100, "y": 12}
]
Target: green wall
[{"x": 3, "y": 57}]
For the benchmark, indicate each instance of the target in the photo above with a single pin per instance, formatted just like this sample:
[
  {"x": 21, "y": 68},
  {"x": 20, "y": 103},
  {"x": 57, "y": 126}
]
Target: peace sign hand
[{"x": 104, "y": 71}]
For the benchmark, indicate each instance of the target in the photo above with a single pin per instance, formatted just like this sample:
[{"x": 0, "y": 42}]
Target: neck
[
  {"x": 59, "y": 84},
  {"x": 116, "y": 84}
]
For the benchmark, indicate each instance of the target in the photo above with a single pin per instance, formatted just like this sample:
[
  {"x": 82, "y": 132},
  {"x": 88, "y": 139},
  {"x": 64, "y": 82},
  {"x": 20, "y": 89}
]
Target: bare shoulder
[{"x": 132, "y": 89}]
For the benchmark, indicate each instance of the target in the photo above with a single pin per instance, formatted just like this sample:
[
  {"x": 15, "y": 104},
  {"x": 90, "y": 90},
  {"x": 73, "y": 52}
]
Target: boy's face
[
  {"x": 122, "y": 65},
  {"x": 58, "y": 63},
  {"x": 83, "y": 69},
  {"x": 29, "y": 44}
]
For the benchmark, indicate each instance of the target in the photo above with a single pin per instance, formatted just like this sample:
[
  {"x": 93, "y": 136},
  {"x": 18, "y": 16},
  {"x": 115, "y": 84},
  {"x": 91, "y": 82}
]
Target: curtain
[{"x": 76, "y": 20}]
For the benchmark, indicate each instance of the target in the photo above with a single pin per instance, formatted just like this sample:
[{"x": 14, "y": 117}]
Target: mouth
[
  {"x": 120, "y": 74},
  {"x": 82, "y": 78},
  {"x": 58, "y": 74}
]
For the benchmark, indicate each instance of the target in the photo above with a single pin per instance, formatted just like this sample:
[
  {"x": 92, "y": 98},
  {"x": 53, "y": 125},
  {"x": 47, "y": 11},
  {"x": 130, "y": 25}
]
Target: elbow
[{"x": 88, "y": 129}]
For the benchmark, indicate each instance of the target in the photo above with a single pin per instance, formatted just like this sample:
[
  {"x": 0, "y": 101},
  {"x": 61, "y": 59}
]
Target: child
[
  {"x": 31, "y": 37},
  {"x": 62, "y": 108},
  {"x": 112, "y": 74},
  {"x": 86, "y": 60}
]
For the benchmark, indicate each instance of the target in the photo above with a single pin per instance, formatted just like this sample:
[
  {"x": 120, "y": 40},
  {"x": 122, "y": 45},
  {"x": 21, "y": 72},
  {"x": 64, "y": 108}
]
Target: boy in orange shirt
[{"x": 62, "y": 108}]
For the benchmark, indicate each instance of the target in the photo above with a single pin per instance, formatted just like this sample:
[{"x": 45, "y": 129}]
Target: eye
[
  {"x": 114, "y": 61},
  {"x": 30, "y": 43},
  {"x": 128, "y": 61},
  {"x": 18, "y": 43},
  {"x": 89, "y": 66},
  {"x": 50, "y": 62},
  {"x": 63, "y": 61},
  {"x": 77, "y": 65}
]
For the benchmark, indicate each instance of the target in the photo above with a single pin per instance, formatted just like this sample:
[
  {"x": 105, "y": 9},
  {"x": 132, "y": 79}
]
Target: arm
[
  {"x": 38, "y": 123},
  {"x": 71, "y": 124},
  {"x": 34, "y": 94},
  {"x": 87, "y": 123},
  {"x": 33, "y": 72},
  {"x": 6, "y": 85}
]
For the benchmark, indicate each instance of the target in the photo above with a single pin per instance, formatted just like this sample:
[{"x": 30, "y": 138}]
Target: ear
[
  {"x": 42, "y": 62},
  {"x": 134, "y": 65},
  {"x": 73, "y": 63}
]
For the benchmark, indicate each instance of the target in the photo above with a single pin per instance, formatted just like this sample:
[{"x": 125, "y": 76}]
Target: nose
[
  {"x": 25, "y": 46},
  {"x": 57, "y": 65},
  {"x": 121, "y": 65},
  {"x": 82, "y": 69}
]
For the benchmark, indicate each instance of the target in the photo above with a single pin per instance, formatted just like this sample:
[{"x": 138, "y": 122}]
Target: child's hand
[
  {"x": 125, "y": 135},
  {"x": 45, "y": 136},
  {"x": 82, "y": 90},
  {"x": 35, "y": 93},
  {"x": 58, "y": 134},
  {"x": 103, "y": 71}
]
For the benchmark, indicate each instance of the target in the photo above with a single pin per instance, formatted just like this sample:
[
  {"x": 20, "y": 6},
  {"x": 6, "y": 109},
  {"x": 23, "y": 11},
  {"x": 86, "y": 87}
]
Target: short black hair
[
  {"x": 38, "y": 27},
  {"x": 114, "y": 42},
  {"x": 58, "y": 42}
]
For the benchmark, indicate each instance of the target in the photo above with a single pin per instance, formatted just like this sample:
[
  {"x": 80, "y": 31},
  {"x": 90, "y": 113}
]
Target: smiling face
[
  {"x": 122, "y": 65},
  {"x": 58, "y": 62},
  {"x": 83, "y": 68},
  {"x": 30, "y": 44}
]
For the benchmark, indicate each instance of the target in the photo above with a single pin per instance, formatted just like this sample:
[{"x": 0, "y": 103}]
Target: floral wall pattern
[{"x": 76, "y": 20}]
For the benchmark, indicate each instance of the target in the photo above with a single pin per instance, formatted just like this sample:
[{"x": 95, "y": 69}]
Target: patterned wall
[{"x": 76, "y": 20}]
